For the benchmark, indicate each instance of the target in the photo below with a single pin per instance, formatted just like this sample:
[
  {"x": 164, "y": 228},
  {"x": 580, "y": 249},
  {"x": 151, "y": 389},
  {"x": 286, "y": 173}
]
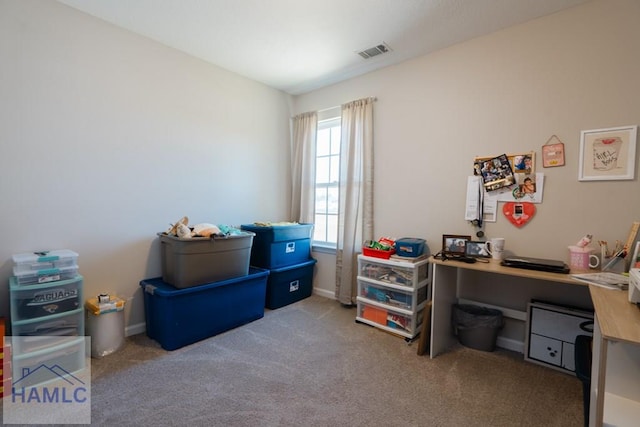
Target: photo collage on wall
[
  {"x": 503, "y": 178},
  {"x": 496, "y": 172},
  {"x": 510, "y": 178}
]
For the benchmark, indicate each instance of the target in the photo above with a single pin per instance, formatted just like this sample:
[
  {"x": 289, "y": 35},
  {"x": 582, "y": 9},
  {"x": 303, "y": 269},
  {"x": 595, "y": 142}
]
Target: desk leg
[
  {"x": 425, "y": 332},
  {"x": 598, "y": 374},
  {"x": 444, "y": 295}
]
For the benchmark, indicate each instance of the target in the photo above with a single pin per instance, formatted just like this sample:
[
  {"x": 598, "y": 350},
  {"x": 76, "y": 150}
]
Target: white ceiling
[{"x": 301, "y": 45}]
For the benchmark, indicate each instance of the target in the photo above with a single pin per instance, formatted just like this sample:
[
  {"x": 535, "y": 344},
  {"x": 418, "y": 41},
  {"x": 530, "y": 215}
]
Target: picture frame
[
  {"x": 520, "y": 162},
  {"x": 523, "y": 162},
  {"x": 476, "y": 249},
  {"x": 454, "y": 244},
  {"x": 608, "y": 154},
  {"x": 553, "y": 155},
  {"x": 496, "y": 172}
]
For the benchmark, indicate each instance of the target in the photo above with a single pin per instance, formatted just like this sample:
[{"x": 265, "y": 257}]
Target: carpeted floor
[{"x": 310, "y": 364}]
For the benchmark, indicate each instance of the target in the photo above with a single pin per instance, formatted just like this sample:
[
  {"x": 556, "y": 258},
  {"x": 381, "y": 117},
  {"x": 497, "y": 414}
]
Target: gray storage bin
[
  {"x": 476, "y": 327},
  {"x": 202, "y": 260}
]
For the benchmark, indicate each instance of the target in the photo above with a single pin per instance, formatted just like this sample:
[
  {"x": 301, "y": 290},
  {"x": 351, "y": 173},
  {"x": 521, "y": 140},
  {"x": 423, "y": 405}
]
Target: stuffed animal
[
  {"x": 182, "y": 230},
  {"x": 205, "y": 230},
  {"x": 173, "y": 230}
]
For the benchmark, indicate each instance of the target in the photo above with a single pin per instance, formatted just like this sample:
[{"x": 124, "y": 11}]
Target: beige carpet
[{"x": 310, "y": 364}]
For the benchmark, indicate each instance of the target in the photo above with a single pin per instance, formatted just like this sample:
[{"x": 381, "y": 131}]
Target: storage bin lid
[
  {"x": 280, "y": 231},
  {"x": 239, "y": 235},
  {"x": 44, "y": 256},
  {"x": 101, "y": 305},
  {"x": 410, "y": 240},
  {"x": 311, "y": 261},
  {"x": 157, "y": 286}
]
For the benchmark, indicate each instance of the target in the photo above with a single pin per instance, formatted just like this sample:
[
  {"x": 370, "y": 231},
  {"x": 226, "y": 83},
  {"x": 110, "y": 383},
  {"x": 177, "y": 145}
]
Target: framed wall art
[
  {"x": 553, "y": 154},
  {"x": 608, "y": 154}
]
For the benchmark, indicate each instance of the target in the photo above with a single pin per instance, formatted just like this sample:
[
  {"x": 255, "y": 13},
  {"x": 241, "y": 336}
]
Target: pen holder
[{"x": 614, "y": 264}]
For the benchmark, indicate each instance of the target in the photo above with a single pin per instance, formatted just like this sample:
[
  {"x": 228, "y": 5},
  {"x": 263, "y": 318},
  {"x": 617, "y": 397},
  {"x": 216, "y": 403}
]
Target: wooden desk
[
  {"x": 615, "y": 369},
  {"x": 445, "y": 292}
]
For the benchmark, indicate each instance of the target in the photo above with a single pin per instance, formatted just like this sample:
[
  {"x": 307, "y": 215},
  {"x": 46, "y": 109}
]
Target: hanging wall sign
[
  {"x": 553, "y": 154},
  {"x": 517, "y": 213}
]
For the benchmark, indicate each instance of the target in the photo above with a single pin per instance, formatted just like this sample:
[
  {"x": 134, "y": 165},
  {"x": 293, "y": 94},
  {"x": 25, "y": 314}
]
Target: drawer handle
[{"x": 587, "y": 326}]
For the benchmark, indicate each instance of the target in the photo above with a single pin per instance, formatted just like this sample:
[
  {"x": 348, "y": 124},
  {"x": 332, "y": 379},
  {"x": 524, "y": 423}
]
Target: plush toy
[
  {"x": 182, "y": 230},
  {"x": 205, "y": 230},
  {"x": 173, "y": 230}
]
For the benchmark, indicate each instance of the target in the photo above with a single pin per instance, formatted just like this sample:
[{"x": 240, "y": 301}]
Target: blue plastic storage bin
[
  {"x": 178, "y": 317},
  {"x": 280, "y": 245},
  {"x": 289, "y": 284},
  {"x": 410, "y": 247}
]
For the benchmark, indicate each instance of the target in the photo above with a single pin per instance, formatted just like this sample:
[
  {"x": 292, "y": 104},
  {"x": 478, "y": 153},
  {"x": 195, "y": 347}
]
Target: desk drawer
[{"x": 552, "y": 332}]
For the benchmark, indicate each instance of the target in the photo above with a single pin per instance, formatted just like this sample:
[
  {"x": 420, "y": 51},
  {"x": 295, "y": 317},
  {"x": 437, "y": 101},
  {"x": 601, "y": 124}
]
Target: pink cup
[{"x": 582, "y": 259}]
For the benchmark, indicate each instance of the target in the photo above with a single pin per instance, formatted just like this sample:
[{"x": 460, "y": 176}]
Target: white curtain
[
  {"x": 303, "y": 167},
  {"x": 355, "y": 220}
]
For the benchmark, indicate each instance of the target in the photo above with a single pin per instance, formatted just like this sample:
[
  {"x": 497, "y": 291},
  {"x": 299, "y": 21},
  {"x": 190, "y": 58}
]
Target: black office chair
[{"x": 582, "y": 353}]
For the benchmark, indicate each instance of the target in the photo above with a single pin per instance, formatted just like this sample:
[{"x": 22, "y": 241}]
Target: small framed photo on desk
[
  {"x": 454, "y": 244},
  {"x": 476, "y": 250}
]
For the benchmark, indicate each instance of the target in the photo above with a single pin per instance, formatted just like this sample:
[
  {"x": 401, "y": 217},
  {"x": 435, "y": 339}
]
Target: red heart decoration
[{"x": 519, "y": 213}]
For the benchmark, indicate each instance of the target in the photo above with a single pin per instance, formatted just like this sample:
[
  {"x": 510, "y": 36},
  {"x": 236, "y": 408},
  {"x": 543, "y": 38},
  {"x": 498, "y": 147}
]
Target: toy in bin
[{"x": 383, "y": 248}]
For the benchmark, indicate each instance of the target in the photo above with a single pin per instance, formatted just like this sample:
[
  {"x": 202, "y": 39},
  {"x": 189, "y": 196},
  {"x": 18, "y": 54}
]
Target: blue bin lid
[
  {"x": 294, "y": 266},
  {"x": 156, "y": 286},
  {"x": 414, "y": 240}
]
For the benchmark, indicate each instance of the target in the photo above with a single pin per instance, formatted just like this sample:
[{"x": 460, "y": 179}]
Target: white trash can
[{"x": 105, "y": 324}]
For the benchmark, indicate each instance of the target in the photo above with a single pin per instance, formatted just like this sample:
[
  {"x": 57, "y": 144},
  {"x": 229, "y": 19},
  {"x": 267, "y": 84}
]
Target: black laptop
[{"x": 539, "y": 264}]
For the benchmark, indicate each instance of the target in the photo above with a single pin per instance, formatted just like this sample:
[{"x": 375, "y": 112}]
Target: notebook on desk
[{"x": 539, "y": 264}]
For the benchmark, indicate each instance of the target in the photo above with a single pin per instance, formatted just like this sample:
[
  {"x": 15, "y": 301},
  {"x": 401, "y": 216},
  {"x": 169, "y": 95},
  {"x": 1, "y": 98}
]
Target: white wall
[
  {"x": 106, "y": 137},
  {"x": 506, "y": 92}
]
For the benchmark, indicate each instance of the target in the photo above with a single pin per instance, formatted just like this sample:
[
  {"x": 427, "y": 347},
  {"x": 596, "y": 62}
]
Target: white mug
[{"x": 495, "y": 247}]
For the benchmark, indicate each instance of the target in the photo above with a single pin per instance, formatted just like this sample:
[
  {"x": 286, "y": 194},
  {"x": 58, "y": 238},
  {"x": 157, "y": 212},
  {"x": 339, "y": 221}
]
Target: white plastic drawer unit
[
  {"x": 397, "y": 321},
  {"x": 394, "y": 297},
  {"x": 399, "y": 273},
  {"x": 29, "y": 302},
  {"x": 43, "y": 332},
  {"x": 49, "y": 364},
  {"x": 552, "y": 332}
]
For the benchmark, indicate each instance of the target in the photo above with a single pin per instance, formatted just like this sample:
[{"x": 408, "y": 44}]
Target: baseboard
[
  {"x": 510, "y": 344},
  {"x": 141, "y": 328},
  {"x": 135, "y": 329},
  {"x": 324, "y": 293}
]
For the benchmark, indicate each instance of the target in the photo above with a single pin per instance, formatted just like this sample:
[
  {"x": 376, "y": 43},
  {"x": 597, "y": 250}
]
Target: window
[{"x": 326, "y": 183}]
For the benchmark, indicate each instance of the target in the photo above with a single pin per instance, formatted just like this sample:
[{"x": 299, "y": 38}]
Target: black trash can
[{"x": 476, "y": 327}]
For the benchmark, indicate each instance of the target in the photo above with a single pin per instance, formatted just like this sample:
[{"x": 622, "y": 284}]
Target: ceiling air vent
[{"x": 374, "y": 51}]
